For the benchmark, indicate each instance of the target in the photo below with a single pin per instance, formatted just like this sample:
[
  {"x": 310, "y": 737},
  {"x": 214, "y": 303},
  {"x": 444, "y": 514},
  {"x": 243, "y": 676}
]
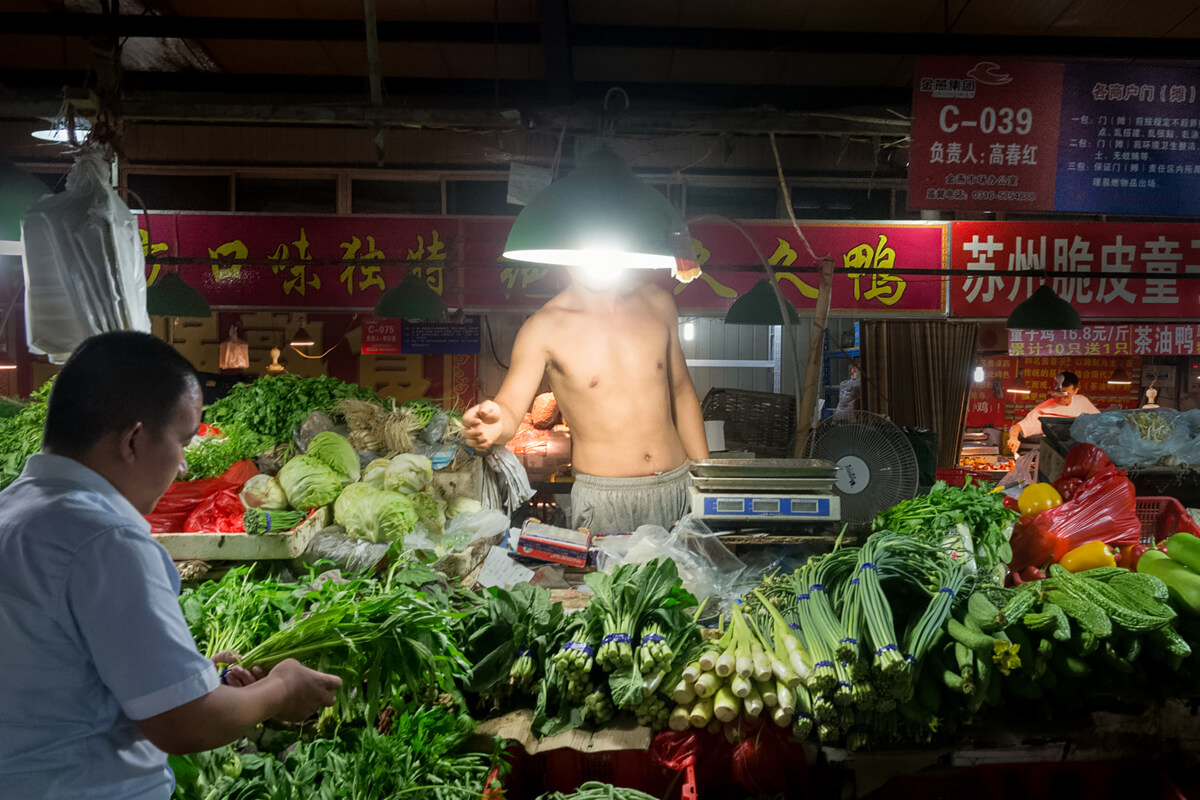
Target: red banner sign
[
  {"x": 1165, "y": 340},
  {"x": 990, "y": 403},
  {"x": 985, "y": 134},
  {"x": 1096, "y": 261},
  {"x": 347, "y": 262},
  {"x": 1091, "y": 340}
]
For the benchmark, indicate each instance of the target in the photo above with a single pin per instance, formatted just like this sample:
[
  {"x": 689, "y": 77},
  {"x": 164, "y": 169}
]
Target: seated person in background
[{"x": 1065, "y": 401}]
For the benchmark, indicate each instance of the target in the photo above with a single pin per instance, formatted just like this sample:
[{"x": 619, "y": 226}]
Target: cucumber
[
  {"x": 1184, "y": 548},
  {"x": 1183, "y": 584},
  {"x": 983, "y": 613},
  {"x": 977, "y": 641}
]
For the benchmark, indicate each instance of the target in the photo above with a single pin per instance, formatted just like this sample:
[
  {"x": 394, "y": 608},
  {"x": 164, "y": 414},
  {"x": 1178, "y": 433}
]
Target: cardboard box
[{"x": 548, "y": 543}]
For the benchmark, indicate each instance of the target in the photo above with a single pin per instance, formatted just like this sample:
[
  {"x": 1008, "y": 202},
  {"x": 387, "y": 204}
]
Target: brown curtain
[{"x": 919, "y": 375}]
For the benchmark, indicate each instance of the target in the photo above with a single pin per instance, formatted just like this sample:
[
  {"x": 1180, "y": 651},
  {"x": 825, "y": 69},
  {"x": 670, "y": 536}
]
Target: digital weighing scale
[{"x": 765, "y": 490}]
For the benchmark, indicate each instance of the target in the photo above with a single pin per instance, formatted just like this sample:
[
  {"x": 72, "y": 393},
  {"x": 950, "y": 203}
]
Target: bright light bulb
[
  {"x": 979, "y": 374},
  {"x": 689, "y": 331}
]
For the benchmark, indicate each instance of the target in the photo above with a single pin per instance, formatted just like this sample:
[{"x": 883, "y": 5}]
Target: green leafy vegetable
[
  {"x": 264, "y": 491},
  {"x": 308, "y": 483},
  {"x": 336, "y": 453},
  {"x": 408, "y": 473},
  {"x": 374, "y": 514},
  {"x": 21, "y": 434},
  {"x": 274, "y": 405},
  {"x": 258, "y": 521}
]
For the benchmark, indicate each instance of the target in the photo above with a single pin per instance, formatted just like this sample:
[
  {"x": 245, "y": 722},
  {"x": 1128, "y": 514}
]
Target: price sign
[{"x": 381, "y": 337}]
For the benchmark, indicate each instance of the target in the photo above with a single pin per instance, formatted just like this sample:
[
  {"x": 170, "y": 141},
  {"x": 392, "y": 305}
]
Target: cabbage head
[
  {"x": 308, "y": 483},
  {"x": 264, "y": 491},
  {"x": 431, "y": 511},
  {"x": 462, "y": 505},
  {"x": 375, "y": 473},
  {"x": 374, "y": 514},
  {"x": 336, "y": 453},
  {"x": 408, "y": 473}
]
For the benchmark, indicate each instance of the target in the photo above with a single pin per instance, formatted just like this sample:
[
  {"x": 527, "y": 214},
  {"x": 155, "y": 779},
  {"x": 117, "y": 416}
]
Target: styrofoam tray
[{"x": 242, "y": 546}]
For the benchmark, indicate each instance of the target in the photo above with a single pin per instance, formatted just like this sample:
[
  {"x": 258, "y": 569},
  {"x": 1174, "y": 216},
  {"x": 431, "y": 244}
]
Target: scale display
[{"x": 765, "y": 506}]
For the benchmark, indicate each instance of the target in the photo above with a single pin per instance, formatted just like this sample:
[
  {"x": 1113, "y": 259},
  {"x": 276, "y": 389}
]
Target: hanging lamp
[
  {"x": 601, "y": 216},
  {"x": 411, "y": 299},
  {"x": 1120, "y": 377},
  {"x": 760, "y": 306},
  {"x": 171, "y": 297},
  {"x": 1019, "y": 386},
  {"x": 1044, "y": 310}
]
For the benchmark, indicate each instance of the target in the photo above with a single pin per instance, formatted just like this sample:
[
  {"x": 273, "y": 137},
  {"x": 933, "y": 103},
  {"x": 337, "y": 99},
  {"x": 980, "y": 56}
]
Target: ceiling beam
[
  {"x": 463, "y": 93},
  {"x": 317, "y": 30}
]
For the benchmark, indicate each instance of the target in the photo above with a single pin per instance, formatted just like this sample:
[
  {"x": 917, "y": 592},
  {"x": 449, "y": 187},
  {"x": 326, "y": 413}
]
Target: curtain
[{"x": 919, "y": 375}]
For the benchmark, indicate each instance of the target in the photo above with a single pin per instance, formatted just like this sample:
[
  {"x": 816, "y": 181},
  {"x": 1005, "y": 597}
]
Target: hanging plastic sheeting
[{"x": 85, "y": 271}]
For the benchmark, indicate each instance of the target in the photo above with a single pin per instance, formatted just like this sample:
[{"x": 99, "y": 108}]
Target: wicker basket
[{"x": 762, "y": 422}]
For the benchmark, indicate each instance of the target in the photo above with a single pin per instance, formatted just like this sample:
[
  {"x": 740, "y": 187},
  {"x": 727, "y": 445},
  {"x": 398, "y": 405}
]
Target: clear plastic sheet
[
  {"x": 706, "y": 566},
  {"x": 85, "y": 272}
]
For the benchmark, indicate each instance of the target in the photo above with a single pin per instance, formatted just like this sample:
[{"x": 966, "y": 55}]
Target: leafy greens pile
[
  {"x": 969, "y": 518},
  {"x": 21, "y": 434},
  {"x": 273, "y": 405}
]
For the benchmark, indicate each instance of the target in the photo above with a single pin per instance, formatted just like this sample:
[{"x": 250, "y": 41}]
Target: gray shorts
[{"x": 621, "y": 505}]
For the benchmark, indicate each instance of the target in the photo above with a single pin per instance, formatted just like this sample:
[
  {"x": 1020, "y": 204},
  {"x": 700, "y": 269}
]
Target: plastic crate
[
  {"x": 953, "y": 476},
  {"x": 1161, "y": 517},
  {"x": 565, "y": 769}
]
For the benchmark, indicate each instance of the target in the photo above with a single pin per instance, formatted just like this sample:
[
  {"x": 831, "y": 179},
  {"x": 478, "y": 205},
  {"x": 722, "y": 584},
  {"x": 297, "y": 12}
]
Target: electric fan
[{"x": 876, "y": 466}]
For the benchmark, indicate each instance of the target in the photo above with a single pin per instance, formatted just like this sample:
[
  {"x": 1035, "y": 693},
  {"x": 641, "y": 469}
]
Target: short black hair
[
  {"x": 1069, "y": 379},
  {"x": 113, "y": 381}
]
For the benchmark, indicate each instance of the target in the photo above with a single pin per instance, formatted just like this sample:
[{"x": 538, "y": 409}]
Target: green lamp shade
[
  {"x": 171, "y": 297},
  {"x": 1045, "y": 311},
  {"x": 759, "y": 306},
  {"x": 411, "y": 299},
  {"x": 601, "y": 214}
]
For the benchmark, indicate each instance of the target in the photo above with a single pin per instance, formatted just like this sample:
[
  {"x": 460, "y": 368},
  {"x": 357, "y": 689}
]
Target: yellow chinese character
[
  {"x": 435, "y": 252},
  {"x": 1091, "y": 349},
  {"x": 785, "y": 255},
  {"x": 887, "y": 289},
  {"x": 301, "y": 281},
  {"x": 149, "y": 250},
  {"x": 529, "y": 275},
  {"x": 226, "y": 264},
  {"x": 1121, "y": 348},
  {"x": 702, "y": 257},
  {"x": 369, "y": 273},
  {"x": 1016, "y": 348}
]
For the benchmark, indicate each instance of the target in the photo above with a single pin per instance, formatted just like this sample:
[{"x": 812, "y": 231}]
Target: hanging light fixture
[
  {"x": 760, "y": 306},
  {"x": 171, "y": 297},
  {"x": 1120, "y": 377},
  {"x": 1045, "y": 311},
  {"x": 601, "y": 216},
  {"x": 1019, "y": 386},
  {"x": 979, "y": 376},
  {"x": 411, "y": 299},
  {"x": 302, "y": 338}
]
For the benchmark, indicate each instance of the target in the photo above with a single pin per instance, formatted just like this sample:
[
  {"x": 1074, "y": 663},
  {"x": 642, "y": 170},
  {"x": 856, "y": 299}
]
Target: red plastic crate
[
  {"x": 1163, "y": 516},
  {"x": 957, "y": 476}
]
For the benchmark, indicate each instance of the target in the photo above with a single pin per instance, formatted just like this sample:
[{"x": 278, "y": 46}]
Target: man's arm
[
  {"x": 290, "y": 692},
  {"x": 685, "y": 405},
  {"x": 494, "y": 422}
]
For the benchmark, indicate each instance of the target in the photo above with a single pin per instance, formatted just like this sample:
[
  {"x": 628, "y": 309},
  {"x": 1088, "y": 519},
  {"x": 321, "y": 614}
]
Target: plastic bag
[
  {"x": 1085, "y": 461},
  {"x": 1103, "y": 509},
  {"x": 464, "y": 529},
  {"x": 1123, "y": 442},
  {"x": 85, "y": 271},
  {"x": 707, "y": 568},
  {"x": 351, "y": 555},
  {"x": 181, "y": 499},
  {"x": 235, "y": 353},
  {"x": 219, "y": 513},
  {"x": 505, "y": 482}
]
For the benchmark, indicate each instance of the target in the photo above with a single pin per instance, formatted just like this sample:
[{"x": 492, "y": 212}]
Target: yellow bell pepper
[
  {"x": 1037, "y": 498},
  {"x": 1088, "y": 556}
]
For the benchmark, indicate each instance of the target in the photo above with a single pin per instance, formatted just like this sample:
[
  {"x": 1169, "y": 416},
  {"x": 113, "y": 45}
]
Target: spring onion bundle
[{"x": 258, "y": 521}]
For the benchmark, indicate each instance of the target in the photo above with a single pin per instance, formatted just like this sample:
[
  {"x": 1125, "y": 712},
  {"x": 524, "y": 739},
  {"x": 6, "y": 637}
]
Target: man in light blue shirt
[{"x": 100, "y": 673}]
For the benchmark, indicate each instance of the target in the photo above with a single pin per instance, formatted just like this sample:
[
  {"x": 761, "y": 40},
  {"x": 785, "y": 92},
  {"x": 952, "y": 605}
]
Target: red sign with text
[
  {"x": 1093, "y": 262},
  {"x": 347, "y": 262},
  {"x": 1091, "y": 340},
  {"x": 985, "y": 134},
  {"x": 380, "y": 336}
]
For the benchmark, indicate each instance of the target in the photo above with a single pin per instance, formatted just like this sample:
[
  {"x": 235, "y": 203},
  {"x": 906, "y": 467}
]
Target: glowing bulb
[
  {"x": 689, "y": 331},
  {"x": 979, "y": 374}
]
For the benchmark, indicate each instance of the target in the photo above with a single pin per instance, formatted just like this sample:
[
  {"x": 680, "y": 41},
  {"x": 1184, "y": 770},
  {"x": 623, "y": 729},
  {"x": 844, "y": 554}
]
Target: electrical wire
[{"x": 492, "y": 342}]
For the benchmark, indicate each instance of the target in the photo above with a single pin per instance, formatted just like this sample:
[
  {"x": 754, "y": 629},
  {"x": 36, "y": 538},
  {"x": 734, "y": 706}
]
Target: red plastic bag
[
  {"x": 184, "y": 496},
  {"x": 1034, "y": 547},
  {"x": 1104, "y": 509},
  {"x": 1067, "y": 487},
  {"x": 220, "y": 513},
  {"x": 1085, "y": 461},
  {"x": 768, "y": 763}
]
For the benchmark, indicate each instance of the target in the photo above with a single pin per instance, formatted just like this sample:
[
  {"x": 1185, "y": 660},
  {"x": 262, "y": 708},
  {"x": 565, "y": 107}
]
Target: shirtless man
[{"x": 618, "y": 372}]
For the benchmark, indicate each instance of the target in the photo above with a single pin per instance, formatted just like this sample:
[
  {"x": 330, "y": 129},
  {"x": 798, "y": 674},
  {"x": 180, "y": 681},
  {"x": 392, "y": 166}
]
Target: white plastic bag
[
  {"x": 85, "y": 272},
  {"x": 235, "y": 353}
]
